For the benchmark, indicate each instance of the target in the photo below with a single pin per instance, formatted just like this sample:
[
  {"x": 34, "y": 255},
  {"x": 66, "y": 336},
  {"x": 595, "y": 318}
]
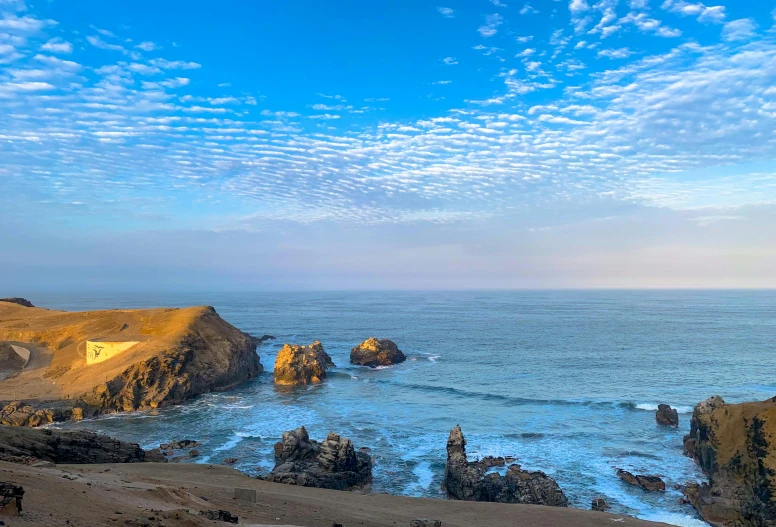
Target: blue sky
[{"x": 466, "y": 144}]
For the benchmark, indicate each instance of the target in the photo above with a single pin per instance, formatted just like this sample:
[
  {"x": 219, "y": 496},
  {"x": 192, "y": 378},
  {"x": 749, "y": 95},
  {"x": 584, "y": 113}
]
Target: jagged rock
[
  {"x": 470, "y": 481},
  {"x": 11, "y": 499},
  {"x": 376, "y": 352},
  {"x": 490, "y": 462},
  {"x": 19, "y": 413},
  {"x": 220, "y": 516},
  {"x": 599, "y": 504},
  {"x": 16, "y": 300},
  {"x": 735, "y": 446},
  {"x": 331, "y": 464},
  {"x": 67, "y": 446},
  {"x": 666, "y": 416},
  {"x": 230, "y": 461},
  {"x": 182, "y": 444},
  {"x": 650, "y": 483},
  {"x": 297, "y": 364}
]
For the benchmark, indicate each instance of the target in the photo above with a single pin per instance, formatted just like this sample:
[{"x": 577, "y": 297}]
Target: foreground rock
[
  {"x": 180, "y": 353},
  {"x": 297, "y": 365},
  {"x": 650, "y": 483},
  {"x": 470, "y": 481},
  {"x": 16, "y": 300},
  {"x": 600, "y": 505},
  {"x": 26, "y": 445},
  {"x": 376, "y": 352},
  {"x": 666, "y": 416},
  {"x": 331, "y": 464},
  {"x": 735, "y": 445}
]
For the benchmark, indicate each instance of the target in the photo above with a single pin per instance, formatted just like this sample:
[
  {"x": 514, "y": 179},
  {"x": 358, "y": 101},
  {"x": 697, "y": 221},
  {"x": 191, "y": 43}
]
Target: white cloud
[
  {"x": 742, "y": 29},
  {"x": 528, "y": 10},
  {"x": 57, "y": 45},
  {"x": 621, "y": 53},
  {"x": 492, "y": 22},
  {"x": 578, "y": 6},
  {"x": 714, "y": 14},
  {"x": 147, "y": 46},
  {"x": 450, "y": 61},
  {"x": 446, "y": 12}
]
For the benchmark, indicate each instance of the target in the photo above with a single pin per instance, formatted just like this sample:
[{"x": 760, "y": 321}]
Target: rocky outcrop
[
  {"x": 297, "y": 364},
  {"x": 16, "y": 300},
  {"x": 666, "y": 416},
  {"x": 67, "y": 446},
  {"x": 470, "y": 481},
  {"x": 600, "y": 505},
  {"x": 331, "y": 464},
  {"x": 262, "y": 339},
  {"x": 11, "y": 499},
  {"x": 650, "y": 483},
  {"x": 376, "y": 352},
  {"x": 735, "y": 445},
  {"x": 181, "y": 353}
]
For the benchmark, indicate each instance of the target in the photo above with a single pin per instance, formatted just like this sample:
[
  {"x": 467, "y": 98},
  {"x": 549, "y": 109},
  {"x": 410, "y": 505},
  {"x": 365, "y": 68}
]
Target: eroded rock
[
  {"x": 650, "y": 483},
  {"x": 600, "y": 505},
  {"x": 331, "y": 464},
  {"x": 666, "y": 416},
  {"x": 376, "y": 352},
  {"x": 735, "y": 446},
  {"x": 470, "y": 481},
  {"x": 296, "y": 365}
]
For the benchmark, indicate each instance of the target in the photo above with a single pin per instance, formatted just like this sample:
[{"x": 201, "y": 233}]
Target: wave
[
  {"x": 652, "y": 407},
  {"x": 673, "y": 518}
]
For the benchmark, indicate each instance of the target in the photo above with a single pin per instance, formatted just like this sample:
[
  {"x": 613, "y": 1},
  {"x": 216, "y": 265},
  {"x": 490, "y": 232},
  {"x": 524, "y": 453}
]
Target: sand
[{"x": 162, "y": 494}]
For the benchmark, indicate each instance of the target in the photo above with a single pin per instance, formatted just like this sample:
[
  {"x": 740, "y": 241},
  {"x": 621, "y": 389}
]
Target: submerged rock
[
  {"x": 666, "y": 416},
  {"x": 735, "y": 446},
  {"x": 376, "y": 352},
  {"x": 600, "y": 505},
  {"x": 650, "y": 483},
  {"x": 331, "y": 464},
  {"x": 297, "y": 364},
  {"x": 470, "y": 481}
]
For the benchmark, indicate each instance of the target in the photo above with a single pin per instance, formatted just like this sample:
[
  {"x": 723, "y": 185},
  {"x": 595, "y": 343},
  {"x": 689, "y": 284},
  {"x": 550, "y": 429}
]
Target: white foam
[
  {"x": 434, "y": 358},
  {"x": 653, "y": 407},
  {"x": 230, "y": 444},
  {"x": 425, "y": 475},
  {"x": 673, "y": 518}
]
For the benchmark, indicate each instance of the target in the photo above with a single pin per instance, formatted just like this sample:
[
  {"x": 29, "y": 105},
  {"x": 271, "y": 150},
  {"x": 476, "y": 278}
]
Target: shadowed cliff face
[
  {"x": 181, "y": 353},
  {"x": 735, "y": 445}
]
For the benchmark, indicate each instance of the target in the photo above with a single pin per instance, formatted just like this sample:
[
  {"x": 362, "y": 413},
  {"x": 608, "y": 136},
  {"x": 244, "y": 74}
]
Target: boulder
[
  {"x": 650, "y": 483},
  {"x": 16, "y": 300},
  {"x": 331, "y": 464},
  {"x": 67, "y": 446},
  {"x": 20, "y": 413},
  {"x": 735, "y": 446},
  {"x": 376, "y": 352},
  {"x": 470, "y": 481},
  {"x": 11, "y": 499},
  {"x": 666, "y": 416},
  {"x": 600, "y": 505},
  {"x": 297, "y": 364},
  {"x": 220, "y": 516},
  {"x": 183, "y": 444}
]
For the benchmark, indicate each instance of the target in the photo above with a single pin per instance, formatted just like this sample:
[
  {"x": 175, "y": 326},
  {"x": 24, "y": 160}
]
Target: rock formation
[
  {"x": 16, "y": 300},
  {"x": 376, "y": 352},
  {"x": 181, "y": 353},
  {"x": 735, "y": 445},
  {"x": 600, "y": 505},
  {"x": 11, "y": 499},
  {"x": 297, "y": 364},
  {"x": 470, "y": 481},
  {"x": 262, "y": 339},
  {"x": 666, "y": 416},
  {"x": 331, "y": 464},
  {"x": 67, "y": 446},
  {"x": 650, "y": 483}
]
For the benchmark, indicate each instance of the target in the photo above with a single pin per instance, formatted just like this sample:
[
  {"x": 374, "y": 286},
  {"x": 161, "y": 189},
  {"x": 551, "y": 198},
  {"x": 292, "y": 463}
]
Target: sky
[{"x": 402, "y": 144}]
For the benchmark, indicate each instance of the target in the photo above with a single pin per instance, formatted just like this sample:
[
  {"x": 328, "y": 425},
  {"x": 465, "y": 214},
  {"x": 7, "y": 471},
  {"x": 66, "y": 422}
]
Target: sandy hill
[{"x": 179, "y": 353}]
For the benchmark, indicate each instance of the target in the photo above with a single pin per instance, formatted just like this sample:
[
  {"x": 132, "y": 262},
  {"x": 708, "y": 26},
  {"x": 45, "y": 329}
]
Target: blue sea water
[{"x": 566, "y": 381}]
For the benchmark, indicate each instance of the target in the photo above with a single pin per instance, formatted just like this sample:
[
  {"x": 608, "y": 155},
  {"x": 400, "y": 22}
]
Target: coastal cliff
[
  {"x": 735, "y": 445},
  {"x": 175, "y": 354}
]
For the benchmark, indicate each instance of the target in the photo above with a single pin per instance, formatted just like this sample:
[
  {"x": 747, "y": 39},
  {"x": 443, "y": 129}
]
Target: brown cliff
[
  {"x": 735, "y": 445},
  {"x": 180, "y": 353}
]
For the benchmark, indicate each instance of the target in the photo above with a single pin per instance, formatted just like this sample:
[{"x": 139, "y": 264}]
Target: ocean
[{"x": 565, "y": 381}]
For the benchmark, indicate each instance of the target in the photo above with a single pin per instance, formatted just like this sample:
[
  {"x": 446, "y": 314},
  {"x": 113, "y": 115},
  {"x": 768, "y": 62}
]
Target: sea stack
[
  {"x": 299, "y": 365},
  {"x": 471, "y": 481},
  {"x": 375, "y": 352},
  {"x": 735, "y": 445},
  {"x": 332, "y": 464},
  {"x": 666, "y": 416}
]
